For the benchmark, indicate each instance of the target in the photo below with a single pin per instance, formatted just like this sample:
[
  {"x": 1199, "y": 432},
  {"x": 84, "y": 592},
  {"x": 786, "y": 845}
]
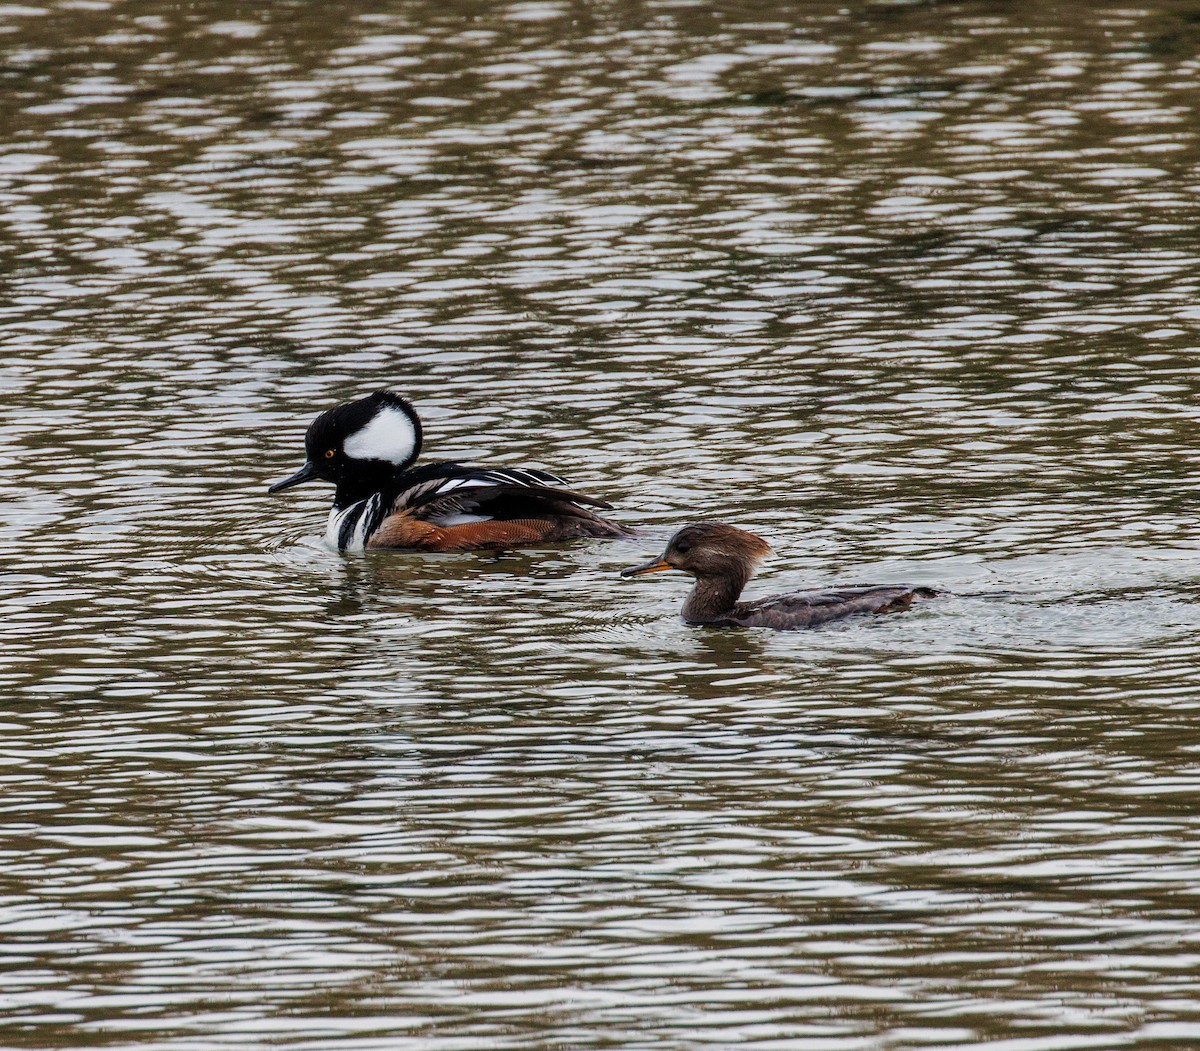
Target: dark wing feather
[
  {"x": 542, "y": 503},
  {"x": 480, "y": 491},
  {"x": 517, "y": 505},
  {"x": 504, "y": 501},
  {"x": 808, "y": 609}
]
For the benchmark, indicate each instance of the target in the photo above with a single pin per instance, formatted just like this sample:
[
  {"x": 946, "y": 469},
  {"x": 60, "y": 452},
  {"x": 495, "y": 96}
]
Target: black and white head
[{"x": 360, "y": 445}]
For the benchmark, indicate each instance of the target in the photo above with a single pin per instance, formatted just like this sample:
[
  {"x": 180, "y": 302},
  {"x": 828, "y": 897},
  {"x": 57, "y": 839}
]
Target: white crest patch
[{"x": 389, "y": 435}]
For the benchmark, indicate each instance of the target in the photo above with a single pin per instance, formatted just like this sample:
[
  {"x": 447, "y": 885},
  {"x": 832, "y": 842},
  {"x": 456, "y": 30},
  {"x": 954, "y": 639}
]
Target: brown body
[
  {"x": 809, "y": 609},
  {"x": 722, "y": 558}
]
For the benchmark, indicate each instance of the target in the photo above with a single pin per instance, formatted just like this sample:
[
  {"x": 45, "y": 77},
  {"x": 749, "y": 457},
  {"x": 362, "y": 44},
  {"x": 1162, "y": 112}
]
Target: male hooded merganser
[
  {"x": 367, "y": 448},
  {"x": 722, "y": 558}
]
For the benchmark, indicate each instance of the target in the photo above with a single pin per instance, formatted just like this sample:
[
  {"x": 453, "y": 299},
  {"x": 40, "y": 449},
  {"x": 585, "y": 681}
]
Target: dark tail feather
[{"x": 579, "y": 521}]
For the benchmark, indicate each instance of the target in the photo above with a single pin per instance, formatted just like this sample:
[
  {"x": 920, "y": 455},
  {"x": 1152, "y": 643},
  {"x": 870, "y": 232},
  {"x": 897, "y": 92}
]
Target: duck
[
  {"x": 368, "y": 449},
  {"x": 722, "y": 559}
]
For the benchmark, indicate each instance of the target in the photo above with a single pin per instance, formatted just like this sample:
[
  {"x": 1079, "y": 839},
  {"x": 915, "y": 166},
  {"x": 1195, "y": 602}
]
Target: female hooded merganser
[
  {"x": 722, "y": 558},
  {"x": 367, "y": 448}
]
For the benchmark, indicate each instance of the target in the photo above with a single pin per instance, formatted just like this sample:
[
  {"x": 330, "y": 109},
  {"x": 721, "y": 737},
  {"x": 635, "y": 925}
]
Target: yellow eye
[{"x": 330, "y": 454}]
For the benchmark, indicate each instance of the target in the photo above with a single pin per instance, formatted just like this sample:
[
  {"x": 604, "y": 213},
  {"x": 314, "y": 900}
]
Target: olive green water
[{"x": 913, "y": 289}]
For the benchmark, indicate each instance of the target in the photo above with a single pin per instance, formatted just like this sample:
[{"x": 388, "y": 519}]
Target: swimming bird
[
  {"x": 722, "y": 558},
  {"x": 368, "y": 449}
]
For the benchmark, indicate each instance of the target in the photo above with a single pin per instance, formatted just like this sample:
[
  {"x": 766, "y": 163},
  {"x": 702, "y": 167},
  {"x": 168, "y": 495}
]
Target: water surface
[{"x": 910, "y": 288}]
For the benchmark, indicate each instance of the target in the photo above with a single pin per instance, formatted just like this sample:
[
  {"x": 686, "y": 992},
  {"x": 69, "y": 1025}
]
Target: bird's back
[{"x": 809, "y": 609}]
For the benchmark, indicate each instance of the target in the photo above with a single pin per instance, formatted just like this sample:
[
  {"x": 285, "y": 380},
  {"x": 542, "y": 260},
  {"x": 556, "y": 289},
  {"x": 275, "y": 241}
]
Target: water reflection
[{"x": 909, "y": 288}]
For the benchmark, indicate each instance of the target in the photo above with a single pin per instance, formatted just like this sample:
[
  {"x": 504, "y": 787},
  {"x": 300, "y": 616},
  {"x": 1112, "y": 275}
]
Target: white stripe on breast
[
  {"x": 334, "y": 527},
  {"x": 358, "y": 542}
]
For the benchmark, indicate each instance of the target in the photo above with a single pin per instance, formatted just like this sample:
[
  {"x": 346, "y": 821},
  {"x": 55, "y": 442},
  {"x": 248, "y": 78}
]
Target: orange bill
[{"x": 655, "y": 566}]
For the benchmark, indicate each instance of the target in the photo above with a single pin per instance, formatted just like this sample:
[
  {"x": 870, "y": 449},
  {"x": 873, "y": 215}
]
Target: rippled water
[{"x": 910, "y": 288}]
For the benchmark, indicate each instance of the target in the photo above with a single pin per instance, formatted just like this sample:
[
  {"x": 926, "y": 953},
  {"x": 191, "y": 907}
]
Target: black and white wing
[
  {"x": 462, "y": 494},
  {"x": 447, "y": 507}
]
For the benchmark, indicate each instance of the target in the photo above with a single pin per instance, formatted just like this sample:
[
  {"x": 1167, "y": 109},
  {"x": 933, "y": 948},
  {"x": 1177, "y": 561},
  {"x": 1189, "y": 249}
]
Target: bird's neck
[
  {"x": 362, "y": 484},
  {"x": 714, "y": 597}
]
